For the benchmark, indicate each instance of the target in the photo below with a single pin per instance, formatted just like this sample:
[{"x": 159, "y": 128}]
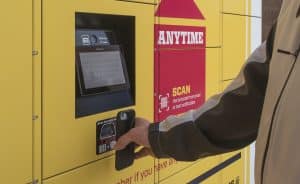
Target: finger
[
  {"x": 122, "y": 142},
  {"x": 142, "y": 153}
]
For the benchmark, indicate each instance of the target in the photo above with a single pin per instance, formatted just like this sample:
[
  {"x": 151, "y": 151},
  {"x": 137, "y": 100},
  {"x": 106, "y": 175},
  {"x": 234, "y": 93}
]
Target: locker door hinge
[
  {"x": 35, "y": 117},
  {"x": 35, "y": 52},
  {"x": 35, "y": 181}
]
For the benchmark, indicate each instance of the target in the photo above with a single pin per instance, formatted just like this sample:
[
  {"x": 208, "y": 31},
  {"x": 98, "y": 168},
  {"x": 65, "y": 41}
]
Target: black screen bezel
[{"x": 105, "y": 89}]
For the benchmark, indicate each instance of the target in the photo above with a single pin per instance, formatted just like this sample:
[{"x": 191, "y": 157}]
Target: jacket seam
[{"x": 233, "y": 90}]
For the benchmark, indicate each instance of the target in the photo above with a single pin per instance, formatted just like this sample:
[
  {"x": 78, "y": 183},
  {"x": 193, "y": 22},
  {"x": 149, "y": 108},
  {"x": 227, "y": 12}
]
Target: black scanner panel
[{"x": 105, "y": 63}]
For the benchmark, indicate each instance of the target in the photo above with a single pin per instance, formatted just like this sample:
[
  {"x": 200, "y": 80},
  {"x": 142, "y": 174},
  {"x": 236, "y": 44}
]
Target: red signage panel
[{"x": 179, "y": 69}]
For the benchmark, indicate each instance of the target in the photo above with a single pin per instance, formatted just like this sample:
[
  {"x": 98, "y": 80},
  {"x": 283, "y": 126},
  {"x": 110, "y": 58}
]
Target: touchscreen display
[{"x": 101, "y": 69}]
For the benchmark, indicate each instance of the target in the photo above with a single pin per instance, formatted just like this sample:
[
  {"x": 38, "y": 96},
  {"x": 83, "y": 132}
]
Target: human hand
[{"x": 138, "y": 135}]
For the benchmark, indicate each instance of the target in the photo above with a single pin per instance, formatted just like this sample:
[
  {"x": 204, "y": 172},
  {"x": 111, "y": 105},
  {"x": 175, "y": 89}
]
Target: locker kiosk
[
  {"x": 96, "y": 63},
  {"x": 83, "y": 62}
]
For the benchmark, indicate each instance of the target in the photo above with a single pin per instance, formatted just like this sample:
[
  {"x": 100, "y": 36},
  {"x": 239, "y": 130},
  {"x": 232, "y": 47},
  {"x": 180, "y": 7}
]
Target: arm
[{"x": 226, "y": 122}]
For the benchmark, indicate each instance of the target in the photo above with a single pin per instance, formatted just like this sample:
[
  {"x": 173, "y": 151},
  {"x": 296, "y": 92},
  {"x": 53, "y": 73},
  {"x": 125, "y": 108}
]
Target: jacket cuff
[{"x": 153, "y": 136}]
